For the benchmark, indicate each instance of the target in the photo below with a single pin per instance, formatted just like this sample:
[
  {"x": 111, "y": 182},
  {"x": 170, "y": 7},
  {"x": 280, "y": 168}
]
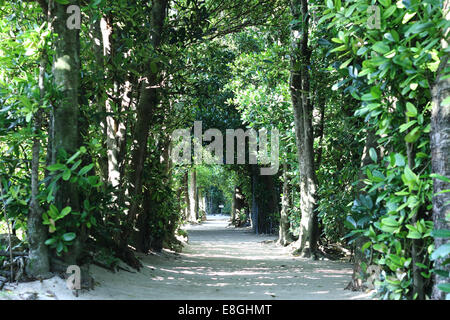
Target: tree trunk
[
  {"x": 38, "y": 264},
  {"x": 193, "y": 199},
  {"x": 440, "y": 150},
  {"x": 187, "y": 209},
  {"x": 285, "y": 237},
  {"x": 254, "y": 215},
  {"x": 97, "y": 46},
  {"x": 233, "y": 207},
  {"x": 264, "y": 201},
  {"x": 418, "y": 280},
  {"x": 147, "y": 103},
  {"x": 66, "y": 72},
  {"x": 306, "y": 245},
  {"x": 358, "y": 277},
  {"x": 112, "y": 144}
]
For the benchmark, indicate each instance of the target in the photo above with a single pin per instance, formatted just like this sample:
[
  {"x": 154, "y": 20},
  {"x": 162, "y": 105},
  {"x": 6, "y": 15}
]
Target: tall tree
[
  {"x": 285, "y": 237},
  {"x": 64, "y": 129},
  {"x": 440, "y": 151},
  {"x": 303, "y": 113},
  {"x": 148, "y": 102},
  {"x": 193, "y": 196},
  {"x": 39, "y": 262}
]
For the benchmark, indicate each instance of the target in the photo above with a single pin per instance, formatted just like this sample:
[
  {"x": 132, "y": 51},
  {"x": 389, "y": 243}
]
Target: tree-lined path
[
  {"x": 324, "y": 124},
  {"x": 219, "y": 262}
]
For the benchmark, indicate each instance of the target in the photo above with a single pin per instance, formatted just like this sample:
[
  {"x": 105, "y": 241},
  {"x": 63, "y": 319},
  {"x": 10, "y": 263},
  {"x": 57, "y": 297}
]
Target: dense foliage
[{"x": 85, "y": 163}]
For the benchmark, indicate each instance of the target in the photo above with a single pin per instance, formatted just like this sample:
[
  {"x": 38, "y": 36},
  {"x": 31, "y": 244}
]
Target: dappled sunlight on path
[{"x": 222, "y": 262}]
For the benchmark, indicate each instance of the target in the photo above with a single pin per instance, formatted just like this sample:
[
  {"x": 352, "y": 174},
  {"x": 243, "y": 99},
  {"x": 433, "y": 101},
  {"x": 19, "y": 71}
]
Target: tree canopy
[{"x": 92, "y": 91}]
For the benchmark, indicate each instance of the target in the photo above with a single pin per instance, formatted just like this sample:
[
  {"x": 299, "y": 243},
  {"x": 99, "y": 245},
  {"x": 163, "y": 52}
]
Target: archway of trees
[{"x": 91, "y": 93}]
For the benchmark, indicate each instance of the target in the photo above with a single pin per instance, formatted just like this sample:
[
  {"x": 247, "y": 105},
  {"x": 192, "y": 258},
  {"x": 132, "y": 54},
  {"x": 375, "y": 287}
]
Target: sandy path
[{"x": 219, "y": 263}]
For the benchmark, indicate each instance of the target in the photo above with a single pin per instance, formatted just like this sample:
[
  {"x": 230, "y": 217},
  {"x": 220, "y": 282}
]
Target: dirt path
[{"x": 218, "y": 263}]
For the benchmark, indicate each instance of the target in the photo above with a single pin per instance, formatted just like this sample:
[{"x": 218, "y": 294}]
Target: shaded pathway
[{"x": 220, "y": 262}]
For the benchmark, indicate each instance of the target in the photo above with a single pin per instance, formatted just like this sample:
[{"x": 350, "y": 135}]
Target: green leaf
[
  {"x": 418, "y": 28},
  {"x": 438, "y": 176},
  {"x": 395, "y": 35},
  {"x": 337, "y": 4},
  {"x": 351, "y": 221},
  {"x": 389, "y": 11},
  {"x": 66, "y": 175},
  {"x": 373, "y": 155},
  {"x": 442, "y": 273},
  {"x": 53, "y": 212},
  {"x": 414, "y": 235},
  {"x": 390, "y": 221},
  {"x": 413, "y": 135},
  {"x": 441, "y": 233},
  {"x": 72, "y": 158},
  {"x": 367, "y": 97},
  {"x": 56, "y": 167},
  {"x": 59, "y": 247},
  {"x": 441, "y": 252},
  {"x": 337, "y": 40},
  {"x": 412, "y": 110},
  {"x": 346, "y": 63},
  {"x": 340, "y": 48},
  {"x": 444, "y": 287},
  {"x": 366, "y": 246},
  {"x": 410, "y": 176},
  {"x": 408, "y": 16},
  {"x": 399, "y": 160},
  {"x": 85, "y": 169},
  {"x": 381, "y": 47},
  {"x": 69, "y": 236},
  {"x": 385, "y": 3},
  {"x": 406, "y": 126},
  {"x": 361, "y": 51},
  {"x": 153, "y": 67},
  {"x": 75, "y": 165},
  {"x": 388, "y": 229},
  {"x": 50, "y": 241},
  {"x": 375, "y": 92},
  {"x": 65, "y": 212}
]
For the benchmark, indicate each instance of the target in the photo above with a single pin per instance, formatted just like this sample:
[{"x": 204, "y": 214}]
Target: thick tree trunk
[
  {"x": 38, "y": 264},
  {"x": 143, "y": 233},
  {"x": 264, "y": 202},
  {"x": 440, "y": 151},
  {"x": 306, "y": 245},
  {"x": 66, "y": 72}
]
